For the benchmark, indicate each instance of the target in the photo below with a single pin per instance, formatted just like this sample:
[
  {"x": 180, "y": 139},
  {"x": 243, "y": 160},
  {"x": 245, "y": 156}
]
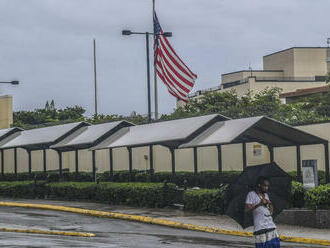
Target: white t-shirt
[{"x": 262, "y": 218}]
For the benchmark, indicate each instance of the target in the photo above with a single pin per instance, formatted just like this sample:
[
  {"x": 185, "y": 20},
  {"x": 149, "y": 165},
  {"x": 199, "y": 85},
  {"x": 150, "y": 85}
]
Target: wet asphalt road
[{"x": 109, "y": 232}]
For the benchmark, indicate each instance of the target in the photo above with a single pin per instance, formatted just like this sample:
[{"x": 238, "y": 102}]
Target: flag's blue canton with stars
[{"x": 158, "y": 30}]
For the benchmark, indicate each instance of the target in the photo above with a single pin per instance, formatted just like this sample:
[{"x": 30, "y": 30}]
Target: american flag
[{"x": 178, "y": 78}]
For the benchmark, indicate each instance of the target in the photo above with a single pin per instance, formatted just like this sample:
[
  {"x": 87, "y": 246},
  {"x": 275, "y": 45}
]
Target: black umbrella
[{"x": 279, "y": 191}]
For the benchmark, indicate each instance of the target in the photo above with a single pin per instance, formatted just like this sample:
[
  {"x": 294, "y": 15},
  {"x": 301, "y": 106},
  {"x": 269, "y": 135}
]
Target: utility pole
[
  {"x": 328, "y": 56},
  {"x": 148, "y": 77},
  {"x": 95, "y": 80},
  {"x": 155, "y": 69}
]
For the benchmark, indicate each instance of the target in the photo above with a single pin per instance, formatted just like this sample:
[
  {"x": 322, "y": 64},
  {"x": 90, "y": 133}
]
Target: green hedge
[
  {"x": 213, "y": 200},
  {"x": 151, "y": 194},
  {"x": 297, "y": 195},
  {"x": 318, "y": 197},
  {"x": 17, "y": 189},
  {"x": 321, "y": 176},
  {"x": 52, "y": 176},
  {"x": 205, "y": 179},
  {"x": 205, "y": 200},
  {"x": 134, "y": 194}
]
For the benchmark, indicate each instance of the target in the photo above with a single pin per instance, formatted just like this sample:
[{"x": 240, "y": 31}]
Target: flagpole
[
  {"x": 95, "y": 81},
  {"x": 155, "y": 72}
]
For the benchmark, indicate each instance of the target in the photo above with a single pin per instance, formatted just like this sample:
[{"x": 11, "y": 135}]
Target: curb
[
  {"x": 37, "y": 231},
  {"x": 156, "y": 221}
]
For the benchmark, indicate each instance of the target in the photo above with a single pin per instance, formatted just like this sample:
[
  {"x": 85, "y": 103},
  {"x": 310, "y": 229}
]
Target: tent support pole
[
  {"x": 244, "y": 155},
  {"x": 30, "y": 161},
  {"x": 15, "y": 161},
  {"x": 151, "y": 159},
  {"x": 172, "y": 150},
  {"x": 130, "y": 160},
  {"x": 298, "y": 162},
  {"x": 94, "y": 165},
  {"x": 60, "y": 165},
  {"x": 44, "y": 157},
  {"x": 327, "y": 162},
  {"x": 219, "y": 148},
  {"x": 195, "y": 160},
  {"x": 2, "y": 163},
  {"x": 111, "y": 162},
  {"x": 271, "y": 153},
  {"x": 76, "y": 153}
]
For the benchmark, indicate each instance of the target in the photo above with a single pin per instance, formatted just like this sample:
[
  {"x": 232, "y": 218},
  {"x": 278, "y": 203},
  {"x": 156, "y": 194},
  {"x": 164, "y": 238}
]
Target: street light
[
  {"x": 166, "y": 34},
  {"x": 15, "y": 82}
]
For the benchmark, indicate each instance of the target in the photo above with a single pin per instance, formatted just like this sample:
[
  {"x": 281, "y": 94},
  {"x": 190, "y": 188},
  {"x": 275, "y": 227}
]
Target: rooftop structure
[
  {"x": 88, "y": 136},
  {"x": 290, "y": 69},
  {"x": 303, "y": 93},
  {"x": 42, "y": 138},
  {"x": 167, "y": 133}
]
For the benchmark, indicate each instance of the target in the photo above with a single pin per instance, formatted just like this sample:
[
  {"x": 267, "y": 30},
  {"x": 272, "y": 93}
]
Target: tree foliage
[
  {"x": 48, "y": 116},
  {"x": 315, "y": 108},
  {"x": 266, "y": 103}
]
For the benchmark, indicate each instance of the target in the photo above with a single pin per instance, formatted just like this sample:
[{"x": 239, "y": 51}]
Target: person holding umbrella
[
  {"x": 255, "y": 197},
  {"x": 257, "y": 202}
]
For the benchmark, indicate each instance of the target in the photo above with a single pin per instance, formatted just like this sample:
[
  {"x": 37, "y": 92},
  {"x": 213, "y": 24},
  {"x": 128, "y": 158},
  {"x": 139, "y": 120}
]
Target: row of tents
[{"x": 209, "y": 130}]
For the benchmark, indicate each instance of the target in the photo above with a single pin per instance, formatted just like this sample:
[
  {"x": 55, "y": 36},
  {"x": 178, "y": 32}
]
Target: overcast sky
[{"x": 47, "y": 45}]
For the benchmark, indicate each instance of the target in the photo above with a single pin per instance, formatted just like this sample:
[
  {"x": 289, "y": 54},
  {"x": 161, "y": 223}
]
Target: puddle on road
[
  {"x": 172, "y": 239},
  {"x": 34, "y": 214}
]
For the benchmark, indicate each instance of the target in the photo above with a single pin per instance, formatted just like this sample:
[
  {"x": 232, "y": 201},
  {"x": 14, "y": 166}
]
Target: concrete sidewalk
[{"x": 207, "y": 220}]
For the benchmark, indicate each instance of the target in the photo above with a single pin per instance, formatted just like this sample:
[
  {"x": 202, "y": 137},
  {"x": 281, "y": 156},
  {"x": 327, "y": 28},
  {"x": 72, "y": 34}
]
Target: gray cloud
[{"x": 47, "y": 45}]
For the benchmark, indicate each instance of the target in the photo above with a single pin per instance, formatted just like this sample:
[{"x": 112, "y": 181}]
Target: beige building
[
  {"x": 6, "y": 111},
  {"x": 289, "y": 69}
]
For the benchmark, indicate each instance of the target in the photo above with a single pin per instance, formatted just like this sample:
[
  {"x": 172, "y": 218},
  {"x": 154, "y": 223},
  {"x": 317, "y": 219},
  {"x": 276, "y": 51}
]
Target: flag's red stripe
[
  {"x": 174, "y": 60},
  {"x": 160, "y": 52},
  {"x": 177, "y": 97},
  {"x": 170, "y": 84},
  {"x": 168, "y": 44},
  {"x": 174, "y": 73},
  {"x": 163, "y": 78},
  {"x": 168, "y": 80},
  {"x": 168, "y": 87},
  {"x": 173, "y": 93},
  {"x": 173, "y": 79},
  {"x": 173, "y": 83}
]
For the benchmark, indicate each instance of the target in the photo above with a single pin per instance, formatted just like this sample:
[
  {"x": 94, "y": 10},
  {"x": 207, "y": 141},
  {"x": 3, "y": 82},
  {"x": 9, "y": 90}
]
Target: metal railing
[{"x": 290, "y": 79}]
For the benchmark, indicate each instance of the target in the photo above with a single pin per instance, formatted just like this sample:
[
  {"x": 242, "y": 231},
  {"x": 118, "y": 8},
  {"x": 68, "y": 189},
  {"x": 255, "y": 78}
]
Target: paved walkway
[{"x": 217, "y": 221}]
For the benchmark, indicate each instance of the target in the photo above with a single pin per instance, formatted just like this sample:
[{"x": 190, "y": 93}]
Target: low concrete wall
[{"x": 305, "y": 217}]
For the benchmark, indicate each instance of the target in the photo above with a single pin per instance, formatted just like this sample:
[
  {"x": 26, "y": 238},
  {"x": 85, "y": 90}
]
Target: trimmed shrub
[
  {"x": 204, "y": 179},
  {"x": 134, "y": 194},
  {"x": 138, "y": 194},
  {"x": 205, "y": 200},
  {"x": 321, "y": 176},
  {"x": 318, "y": 198},
  {"x": 297, "y": 195},
  {"x": 71, "y": 190},
  {"x": 22, "y": 189}
]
